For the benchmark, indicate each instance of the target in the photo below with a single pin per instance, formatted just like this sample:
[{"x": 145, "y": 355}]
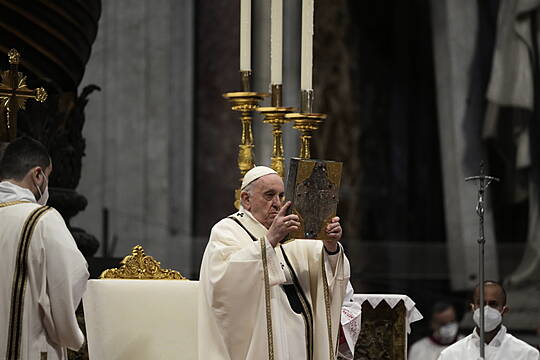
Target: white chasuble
[
  {"x": 41, "y": 283},
  {"x": 303, "y": 316}
]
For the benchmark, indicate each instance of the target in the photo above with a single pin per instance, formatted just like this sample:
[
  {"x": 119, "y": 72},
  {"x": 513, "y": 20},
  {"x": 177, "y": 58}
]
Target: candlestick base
[
  {"x": 306, "y": 123},
  {"x": 275, "y": 116},
  {"x": 244, "y": 102}
]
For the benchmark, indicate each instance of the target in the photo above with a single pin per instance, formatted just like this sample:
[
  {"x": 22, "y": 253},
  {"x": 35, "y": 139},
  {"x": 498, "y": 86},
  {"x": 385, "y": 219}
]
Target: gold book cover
[{"x": 313, "y": 187}]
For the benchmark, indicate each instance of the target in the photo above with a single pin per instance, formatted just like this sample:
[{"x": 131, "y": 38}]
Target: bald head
[{"x": 494, "y": 294}]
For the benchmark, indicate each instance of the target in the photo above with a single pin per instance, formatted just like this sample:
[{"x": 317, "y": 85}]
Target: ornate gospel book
[{"x": 313, "y": 188}]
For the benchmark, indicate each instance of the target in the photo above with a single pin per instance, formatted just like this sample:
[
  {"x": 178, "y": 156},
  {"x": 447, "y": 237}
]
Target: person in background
[
  {"x": 444, "y": 329},
  {"x": 499, "y": 344}
]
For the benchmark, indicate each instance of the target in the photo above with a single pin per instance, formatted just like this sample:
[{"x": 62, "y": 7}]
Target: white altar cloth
[
  {"x": 141, "y": 319},
  {"x": 392, "y": 300}
]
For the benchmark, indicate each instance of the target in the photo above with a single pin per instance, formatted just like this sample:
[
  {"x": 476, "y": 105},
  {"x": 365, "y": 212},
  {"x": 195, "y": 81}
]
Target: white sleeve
[
  {"x": 333, "y": 262},
  {"x": 66, "y": 277},
  {"x": 351, "y": 319}
]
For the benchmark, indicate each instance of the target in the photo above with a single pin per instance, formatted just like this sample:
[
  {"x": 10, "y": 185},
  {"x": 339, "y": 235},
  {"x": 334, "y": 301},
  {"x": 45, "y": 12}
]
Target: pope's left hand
[{"x": 334, "y": 232}]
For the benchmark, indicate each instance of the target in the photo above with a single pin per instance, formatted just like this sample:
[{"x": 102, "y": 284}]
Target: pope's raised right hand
[{"x": 282, "y": 225}]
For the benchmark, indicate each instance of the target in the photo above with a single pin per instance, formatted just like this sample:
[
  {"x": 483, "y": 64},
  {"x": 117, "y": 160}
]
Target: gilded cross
[{"x": 13, "y": 95}]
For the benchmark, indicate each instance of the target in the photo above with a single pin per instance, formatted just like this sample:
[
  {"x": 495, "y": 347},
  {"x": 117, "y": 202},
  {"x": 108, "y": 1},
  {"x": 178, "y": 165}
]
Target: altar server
[
  {"x": 42, "y": 273},
  {"x": 262, "y": 299},
  {"x": 499, "y": 344},
  {"x": 444, "y": 328}
]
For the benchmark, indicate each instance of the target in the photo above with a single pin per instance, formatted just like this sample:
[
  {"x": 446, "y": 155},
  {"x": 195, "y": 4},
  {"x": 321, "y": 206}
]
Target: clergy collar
[
  {"x": 10, "y": 192},
  {"x": 496, "y": 341},
  {"x": 248, "y": 220}
]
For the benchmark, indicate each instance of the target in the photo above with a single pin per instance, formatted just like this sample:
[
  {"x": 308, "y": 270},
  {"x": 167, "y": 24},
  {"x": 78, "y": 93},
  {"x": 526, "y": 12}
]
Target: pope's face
[{"x": 265, "y": 198}]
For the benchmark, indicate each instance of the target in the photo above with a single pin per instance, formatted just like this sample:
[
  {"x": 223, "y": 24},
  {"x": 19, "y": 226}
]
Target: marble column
[
  {"x": 459, "y": 99},
  {"x": 139, "y": 129}
]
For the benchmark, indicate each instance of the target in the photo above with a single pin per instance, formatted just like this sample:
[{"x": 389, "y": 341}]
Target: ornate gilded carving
[
  {"x": 313, "y": 187},
  {"x": 13, "y": 95},
  {"x": 141, "y": 266},
  {"x": 383, "y": 333},
  {"x": 14, "y": 57}
]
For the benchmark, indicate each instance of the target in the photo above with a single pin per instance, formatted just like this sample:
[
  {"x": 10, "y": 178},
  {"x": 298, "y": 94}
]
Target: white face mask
[
  {"x": 447, "y": 333},
  {"x": 43, "y": 197},
  {"x": 492, "y": 318}
]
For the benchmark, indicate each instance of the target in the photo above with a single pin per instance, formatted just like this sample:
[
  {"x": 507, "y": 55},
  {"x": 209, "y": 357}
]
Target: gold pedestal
[
  {"x": 306, "y": 123},
  {"x": 244, "y": 102},
  {"x": 275, "y": 116}
]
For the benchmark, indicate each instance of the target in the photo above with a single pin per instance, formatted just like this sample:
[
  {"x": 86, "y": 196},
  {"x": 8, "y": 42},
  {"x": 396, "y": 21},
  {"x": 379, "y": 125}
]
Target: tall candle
[
  {"x": 276, "y": 42},
  {"x": 306, "y": 75},
  {"x": 245, "y": 35}
]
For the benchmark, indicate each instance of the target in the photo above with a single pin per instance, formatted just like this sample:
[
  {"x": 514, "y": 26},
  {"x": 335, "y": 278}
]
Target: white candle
[
  {"x": 245, "y": 35},
  {"x": 276, "y": 42},
  {"x": 307, "y": 45}
]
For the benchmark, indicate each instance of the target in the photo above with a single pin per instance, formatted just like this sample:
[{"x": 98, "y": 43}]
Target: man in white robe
[
  {"x": 499, "y": 345},
  {"x": 262, "y": 299},
  {"x": 444, "y": 328},
  {"x": 42, "y": 273}
]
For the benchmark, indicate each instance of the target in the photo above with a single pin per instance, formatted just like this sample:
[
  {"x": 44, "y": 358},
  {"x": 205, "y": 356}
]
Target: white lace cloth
[{"x": 392, "y": 300}]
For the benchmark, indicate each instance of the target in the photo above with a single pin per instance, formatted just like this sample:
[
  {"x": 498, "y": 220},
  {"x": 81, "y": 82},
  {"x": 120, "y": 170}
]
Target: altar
[
  {"x": 140, "y": 311},
  {"x": 386, "y": 322}
]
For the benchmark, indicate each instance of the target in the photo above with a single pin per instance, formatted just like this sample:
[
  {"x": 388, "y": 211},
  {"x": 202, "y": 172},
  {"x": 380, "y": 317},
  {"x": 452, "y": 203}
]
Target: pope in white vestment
[
  {"x": 293, "y": 312},
  {"x": 42, "y": 282}
]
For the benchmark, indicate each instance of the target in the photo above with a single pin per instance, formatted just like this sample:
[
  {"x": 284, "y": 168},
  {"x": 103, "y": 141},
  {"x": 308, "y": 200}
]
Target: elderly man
[
  {"x": 261, "y": 298},
  {"x": 499, "y": 345},
  {"x": 42, "y": 273}
]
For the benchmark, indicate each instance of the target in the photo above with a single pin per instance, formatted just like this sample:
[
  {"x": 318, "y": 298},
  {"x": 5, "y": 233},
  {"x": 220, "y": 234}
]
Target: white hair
[{"x": 248, "y": 189}]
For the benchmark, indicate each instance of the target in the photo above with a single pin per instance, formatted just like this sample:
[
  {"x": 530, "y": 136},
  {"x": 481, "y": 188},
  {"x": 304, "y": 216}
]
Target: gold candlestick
[
  {"x": 275, "y": 116},
  {"x": 245, "y": 102},
  {"x": 306, "y": 122}
]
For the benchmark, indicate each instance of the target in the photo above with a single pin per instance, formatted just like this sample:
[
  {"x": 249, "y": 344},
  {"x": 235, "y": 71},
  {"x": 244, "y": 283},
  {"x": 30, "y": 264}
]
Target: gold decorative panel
[
  {"x": 141, "y": 266},
  {"x": 383, "y": 334}
]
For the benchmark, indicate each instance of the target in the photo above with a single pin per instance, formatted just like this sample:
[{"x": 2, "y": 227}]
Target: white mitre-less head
[{"x": 255, "y": 173}]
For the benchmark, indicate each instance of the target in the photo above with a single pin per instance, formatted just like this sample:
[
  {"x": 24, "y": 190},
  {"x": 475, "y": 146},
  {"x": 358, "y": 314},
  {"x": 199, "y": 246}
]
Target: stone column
[
  {"x": 459, "y": 101},
  {"x": 139, "y": 129}
]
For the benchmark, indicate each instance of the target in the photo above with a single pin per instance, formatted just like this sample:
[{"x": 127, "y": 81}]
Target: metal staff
[{"x": 484, "y": 182}]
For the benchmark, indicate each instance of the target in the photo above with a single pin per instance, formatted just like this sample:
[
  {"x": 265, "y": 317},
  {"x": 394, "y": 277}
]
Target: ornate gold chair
[{"x": 140, "y": 311}]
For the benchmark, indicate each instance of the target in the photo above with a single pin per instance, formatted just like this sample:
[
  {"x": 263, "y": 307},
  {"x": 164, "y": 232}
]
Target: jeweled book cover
[{"x": 313, "y": 187}]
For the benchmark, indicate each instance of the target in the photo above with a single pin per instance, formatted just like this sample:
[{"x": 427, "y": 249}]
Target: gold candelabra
[
  {"x": 275, "y": 116},
  {"x": 245, "y": 102},
  {"x": 306, "y": 122}
]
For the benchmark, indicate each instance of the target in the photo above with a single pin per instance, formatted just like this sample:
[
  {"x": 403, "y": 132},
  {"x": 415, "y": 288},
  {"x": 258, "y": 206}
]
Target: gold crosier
[
  {"x": 245, "y": 102},
  {"x": 13, "y": 95}
]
